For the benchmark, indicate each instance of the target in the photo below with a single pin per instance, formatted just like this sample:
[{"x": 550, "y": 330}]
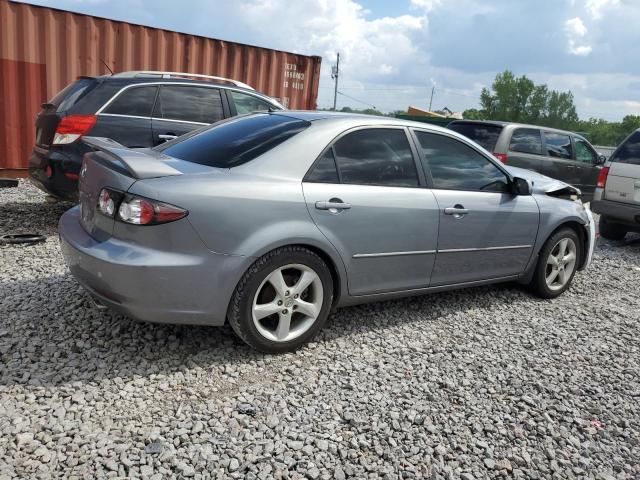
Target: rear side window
[
  {"x": 629, "y": 151},
  {"x": 248, "y": 103},
  {"x": 324, "y": 171},
  {"x": 191, "y": 104},
  {"x": 236, "y": 141},
  {"x": 526, "y": 140},
  {"x": 73, "y": 92},
  {"x": 376, "y": 156},
  {"x": 485, "y": 135},
  {"x": 136, "y": 101},
  {"x": 456, "y": 166},
  {"x": 558, "y": 145}
]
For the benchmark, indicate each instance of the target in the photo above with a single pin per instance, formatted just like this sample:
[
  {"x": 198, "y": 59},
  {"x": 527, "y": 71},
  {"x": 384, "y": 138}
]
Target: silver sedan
[{"x": 271, "y": 220}]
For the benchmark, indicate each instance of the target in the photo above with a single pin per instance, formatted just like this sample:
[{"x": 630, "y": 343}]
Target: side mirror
[
  {"x": 520, "y": 186},
  {"x": 601, "y": 160}
]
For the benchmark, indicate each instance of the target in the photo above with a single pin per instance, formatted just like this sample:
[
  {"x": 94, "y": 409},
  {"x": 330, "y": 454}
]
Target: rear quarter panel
[{"x": 243, "y": 215}]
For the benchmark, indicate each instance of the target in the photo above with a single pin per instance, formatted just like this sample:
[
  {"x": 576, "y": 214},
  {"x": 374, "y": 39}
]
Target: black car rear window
[
  {"x": 69, "y": 95},
  {"x": 236, "y": 141},
  {"x": 629, "y": 151},
  {"x": 483, "y": 134}
]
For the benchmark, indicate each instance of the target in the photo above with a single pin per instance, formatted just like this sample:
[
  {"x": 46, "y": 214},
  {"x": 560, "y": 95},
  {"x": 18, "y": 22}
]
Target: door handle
[
  {"x": 167, "y": 137},
  {"x": 457, "y": 211},
  {"x": 333, "y": 206}
]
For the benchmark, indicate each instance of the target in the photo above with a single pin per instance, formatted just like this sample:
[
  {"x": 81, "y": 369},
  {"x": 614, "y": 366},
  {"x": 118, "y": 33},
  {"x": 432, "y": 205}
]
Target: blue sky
[{"x": 394, "y": 51}]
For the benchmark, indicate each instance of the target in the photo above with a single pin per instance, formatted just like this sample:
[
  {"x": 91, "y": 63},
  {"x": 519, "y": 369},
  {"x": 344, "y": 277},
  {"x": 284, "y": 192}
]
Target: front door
[
  {"x": 485, "y": 231},
  {"x": 365, "y": 196},
  {"x": 587, "y": 163}
]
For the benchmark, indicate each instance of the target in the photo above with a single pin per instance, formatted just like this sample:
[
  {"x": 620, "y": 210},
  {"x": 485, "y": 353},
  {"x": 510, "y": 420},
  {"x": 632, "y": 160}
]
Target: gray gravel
[{"x": 481, "y": 383}]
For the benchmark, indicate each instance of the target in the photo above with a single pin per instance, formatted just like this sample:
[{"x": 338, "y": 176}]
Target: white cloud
[
  {"x": 575, "y": 31},
  {"x": 596, "y": 7}
]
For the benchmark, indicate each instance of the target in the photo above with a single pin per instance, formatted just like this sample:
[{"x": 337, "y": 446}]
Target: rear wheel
[
  {"x": 282, "y": 301},
  {"x": 557, "y": 264},
  {"x": 611, "y": 231}
]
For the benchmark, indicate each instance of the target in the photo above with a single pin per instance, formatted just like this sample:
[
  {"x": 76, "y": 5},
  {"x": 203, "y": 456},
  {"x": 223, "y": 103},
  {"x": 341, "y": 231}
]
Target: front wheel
[
  {"x": 557, "y": 264},
  {"x": 282, "y": 301}
]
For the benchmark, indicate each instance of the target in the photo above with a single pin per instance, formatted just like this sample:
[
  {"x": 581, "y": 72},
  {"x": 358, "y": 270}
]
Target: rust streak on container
[{"x": 44, "y": 49}]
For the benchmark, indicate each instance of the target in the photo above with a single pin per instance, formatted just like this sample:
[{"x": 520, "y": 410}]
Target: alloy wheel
[
  {"x": 561, "y": 263},
  {"x": 287, "y": 302}
]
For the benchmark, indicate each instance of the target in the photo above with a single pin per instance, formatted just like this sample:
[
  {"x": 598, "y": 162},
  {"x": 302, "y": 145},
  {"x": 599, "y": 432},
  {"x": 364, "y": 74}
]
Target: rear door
[
  {"x": 182, "y": 108},
  {"x": 127, "y": 117},
  {"x": 587, "y": 165},
  {"x": 525, "y": 148},
  {"x": 485, "y": 231},
  {"x": 623, "y": 181},
  {"x": 558, "y": 162},
  {"x": 364, "y": 194}
]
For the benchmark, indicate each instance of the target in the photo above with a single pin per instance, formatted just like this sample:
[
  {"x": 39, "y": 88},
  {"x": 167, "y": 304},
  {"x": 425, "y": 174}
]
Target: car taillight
[
  {"x": 602, "y": 177},
  {"x": 501, "y": 156},
  {"x": 72, "y": 127},
  {"x": 107, "y": 201},
  {"x": 142, "y": 211}
]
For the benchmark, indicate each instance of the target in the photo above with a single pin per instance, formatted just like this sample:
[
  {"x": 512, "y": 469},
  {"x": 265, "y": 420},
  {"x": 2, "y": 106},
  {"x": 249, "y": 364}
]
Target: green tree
[{"x": 518, "y": 99}]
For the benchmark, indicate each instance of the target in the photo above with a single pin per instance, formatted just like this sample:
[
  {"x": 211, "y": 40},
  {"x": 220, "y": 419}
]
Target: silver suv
[{"x": 617, "y": 196}]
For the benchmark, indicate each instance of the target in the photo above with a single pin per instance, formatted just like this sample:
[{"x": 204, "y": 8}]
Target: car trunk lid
[
  {"x": 55, "y": 109},
  {"x": 623, "y": 183},
  {"x": 623, "y": 180},
  {"x": 113, "y": 166}
]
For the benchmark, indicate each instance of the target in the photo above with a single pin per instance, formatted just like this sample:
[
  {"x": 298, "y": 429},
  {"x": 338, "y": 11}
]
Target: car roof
[
  {"x": 124, "y": 81},
  {"x": 358, "y": 119},
  {"x": 518, "y": 125}
]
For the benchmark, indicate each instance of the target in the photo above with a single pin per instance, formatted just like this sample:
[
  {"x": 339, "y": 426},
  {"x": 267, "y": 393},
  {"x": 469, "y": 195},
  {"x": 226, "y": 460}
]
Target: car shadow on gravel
[
  {"x": 32, "y": 217},
  {"x": 53, "y": 333}
]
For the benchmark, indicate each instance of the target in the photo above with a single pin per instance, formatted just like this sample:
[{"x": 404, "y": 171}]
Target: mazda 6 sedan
[{"x": 271, "y": 220}]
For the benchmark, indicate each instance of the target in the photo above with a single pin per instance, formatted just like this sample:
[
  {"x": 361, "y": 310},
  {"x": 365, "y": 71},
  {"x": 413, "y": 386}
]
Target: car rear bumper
[
  {"x": 147, "y": 284},
  {"x": 625, "y": 214},
  {"x": 55, "y": 172}
]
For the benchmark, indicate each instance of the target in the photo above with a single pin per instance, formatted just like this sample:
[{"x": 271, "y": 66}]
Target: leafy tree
[{"x": 518, "y": 99}]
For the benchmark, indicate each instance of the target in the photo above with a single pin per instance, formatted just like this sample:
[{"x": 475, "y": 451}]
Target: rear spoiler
[{"x": 140, "y": 164}]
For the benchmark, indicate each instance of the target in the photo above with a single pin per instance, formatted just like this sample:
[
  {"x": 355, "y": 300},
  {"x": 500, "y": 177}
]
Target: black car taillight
[{"x": 137, "y": 210}]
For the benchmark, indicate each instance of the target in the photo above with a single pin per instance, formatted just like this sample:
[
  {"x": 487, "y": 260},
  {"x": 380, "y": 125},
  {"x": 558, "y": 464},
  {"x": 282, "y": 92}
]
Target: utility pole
[
  {"x": 334, "y": 74},
  {"x": 433, "y": 89}
]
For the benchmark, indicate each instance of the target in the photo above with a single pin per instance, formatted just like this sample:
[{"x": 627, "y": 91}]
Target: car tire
[
  {"x": 261, "y": 292},
  {"x": 544, "y": 284},
  {"x": 611, "y": 231}
]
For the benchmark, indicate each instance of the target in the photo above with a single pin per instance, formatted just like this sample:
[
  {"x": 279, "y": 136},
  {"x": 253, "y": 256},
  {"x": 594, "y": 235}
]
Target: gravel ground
[{"x": 480, "y": 383}]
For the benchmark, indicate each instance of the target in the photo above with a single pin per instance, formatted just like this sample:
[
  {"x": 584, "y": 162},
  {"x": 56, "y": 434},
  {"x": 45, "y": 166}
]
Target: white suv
[{"x": 617, "y": 196}]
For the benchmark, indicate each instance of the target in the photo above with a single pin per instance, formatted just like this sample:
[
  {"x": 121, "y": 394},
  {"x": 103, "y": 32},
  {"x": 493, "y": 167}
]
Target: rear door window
[
  {"x": 135, "y": 101},
  {"x": 235, "y": 141},
  {"x": 526, "y": 140},
  {"x": 629, "y": 151},
  {"x": 456, "y": 166},
  {"x": 376, "y": 156},
  {"x": 485, "y": 135},
  {"x": 558, "y": 145},
  {"x": 190, "y": 104},
  {"x": 246, "y": 103}
]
